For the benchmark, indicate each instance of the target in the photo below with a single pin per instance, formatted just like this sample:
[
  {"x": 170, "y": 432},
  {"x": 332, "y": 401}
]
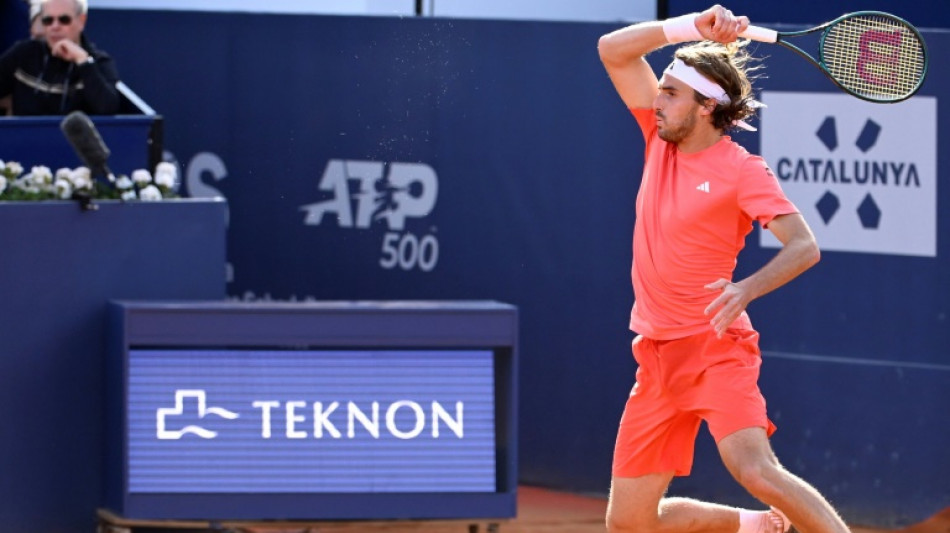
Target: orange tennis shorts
[{"x": 680, "y": 383}]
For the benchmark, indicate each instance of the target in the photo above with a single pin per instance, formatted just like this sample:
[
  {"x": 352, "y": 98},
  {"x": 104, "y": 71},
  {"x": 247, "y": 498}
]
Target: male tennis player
[{"x": 697, "y": 352}]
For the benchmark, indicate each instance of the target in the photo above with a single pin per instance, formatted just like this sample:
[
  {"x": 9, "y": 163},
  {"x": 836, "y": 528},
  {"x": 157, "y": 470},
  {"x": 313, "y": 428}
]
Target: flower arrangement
[{"x": 41, "y": 183}]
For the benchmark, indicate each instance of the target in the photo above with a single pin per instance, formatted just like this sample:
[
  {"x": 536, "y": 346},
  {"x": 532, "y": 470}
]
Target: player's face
[
  {"x": 55, "y": 27},
  {"x": 676, "y": 109}
]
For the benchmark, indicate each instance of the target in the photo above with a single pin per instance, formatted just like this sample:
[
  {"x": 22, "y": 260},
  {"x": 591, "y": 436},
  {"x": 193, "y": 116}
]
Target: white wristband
[{"x": 682, "y": 29}]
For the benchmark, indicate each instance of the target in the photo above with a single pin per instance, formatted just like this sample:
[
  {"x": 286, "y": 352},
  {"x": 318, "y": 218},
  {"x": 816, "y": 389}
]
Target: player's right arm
[{"x": 623, "y": 51}]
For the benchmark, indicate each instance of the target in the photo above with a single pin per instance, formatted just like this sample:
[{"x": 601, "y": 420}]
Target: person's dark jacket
[{"x": 42, "y": 84}]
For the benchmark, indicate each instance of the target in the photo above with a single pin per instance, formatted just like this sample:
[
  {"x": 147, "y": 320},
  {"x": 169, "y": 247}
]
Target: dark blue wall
[
  {"x": 14, "y": 22},
  {"x": 814, "y": 12},
  {"x": 537, "y": 164},
  {"x": 60, "y": 268}
]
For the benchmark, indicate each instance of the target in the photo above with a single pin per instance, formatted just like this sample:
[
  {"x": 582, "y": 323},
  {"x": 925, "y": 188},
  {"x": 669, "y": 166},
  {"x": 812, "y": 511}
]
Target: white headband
[{"x": 705, "y": 86}]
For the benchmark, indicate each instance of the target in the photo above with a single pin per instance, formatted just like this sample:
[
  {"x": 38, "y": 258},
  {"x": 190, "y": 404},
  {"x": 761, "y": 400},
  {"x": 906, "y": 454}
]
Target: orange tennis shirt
[{"x": 694, "y": 211}]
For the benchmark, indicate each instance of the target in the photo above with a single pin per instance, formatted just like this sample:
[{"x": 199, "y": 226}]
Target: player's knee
[{"x": 760, "y": 479}]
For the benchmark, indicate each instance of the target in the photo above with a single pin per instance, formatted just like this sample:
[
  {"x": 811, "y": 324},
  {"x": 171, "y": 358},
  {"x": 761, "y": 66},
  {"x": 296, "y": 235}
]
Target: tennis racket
[{"x": 872, "y": 55}]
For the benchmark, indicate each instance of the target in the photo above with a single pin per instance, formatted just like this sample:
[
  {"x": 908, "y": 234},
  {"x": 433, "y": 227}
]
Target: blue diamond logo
[
  {"x": 869, "y": 213},
  {"x": 828, "y": 133},
  {"x": 827, "y": 206},
  {"x": 868, "y": 136}
]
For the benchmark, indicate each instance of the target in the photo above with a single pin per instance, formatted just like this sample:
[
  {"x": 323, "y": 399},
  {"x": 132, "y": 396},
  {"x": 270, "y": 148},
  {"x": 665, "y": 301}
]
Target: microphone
[{"x": 86, "y": 141}]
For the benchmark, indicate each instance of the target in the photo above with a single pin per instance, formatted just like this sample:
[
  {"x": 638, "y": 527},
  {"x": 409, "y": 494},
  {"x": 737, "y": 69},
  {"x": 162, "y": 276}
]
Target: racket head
[{"x": 874, "y": 55}]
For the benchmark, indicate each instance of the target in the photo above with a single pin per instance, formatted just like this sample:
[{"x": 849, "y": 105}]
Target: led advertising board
[
  {"x": 311, "y": 411},
  {"x": 244, "y": 421}
]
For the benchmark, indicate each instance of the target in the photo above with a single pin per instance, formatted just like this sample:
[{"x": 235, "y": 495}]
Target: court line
[{"x": 854, "y": 361}]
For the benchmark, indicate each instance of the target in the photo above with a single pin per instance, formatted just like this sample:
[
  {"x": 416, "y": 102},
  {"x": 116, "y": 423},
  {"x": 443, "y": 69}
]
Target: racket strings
[{"x": 878, "y": 57}]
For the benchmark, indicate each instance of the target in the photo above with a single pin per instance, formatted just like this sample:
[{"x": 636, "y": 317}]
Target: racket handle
[{"x": 758, "y": 33}]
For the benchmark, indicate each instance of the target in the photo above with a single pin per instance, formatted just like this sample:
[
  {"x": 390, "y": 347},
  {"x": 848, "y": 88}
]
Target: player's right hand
[{"x": 721, "y": 25}]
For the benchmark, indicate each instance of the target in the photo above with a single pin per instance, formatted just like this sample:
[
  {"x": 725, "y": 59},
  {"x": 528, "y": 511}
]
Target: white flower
[
  {"x": 150, "y": 194},
  {"x": 141, "y": 176},
  {"x": 41, "y": 183},
  {"x": 81, "y": 183},
  {"x": 42, "y": 175},
  {"x": 14, "y": 168},
  {"x": 165, "y": 180},
  {"x": 81, "y": 178},
  {"x": 123, "y": 183},
  {"x": 63, "y": 188},
  {"x": 24, "y": 182},
  {"x": 166, "y": 174}
]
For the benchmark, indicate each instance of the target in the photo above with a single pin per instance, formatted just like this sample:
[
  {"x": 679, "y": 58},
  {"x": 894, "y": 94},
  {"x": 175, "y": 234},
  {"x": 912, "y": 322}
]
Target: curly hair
[{"x": 730, "y": 66}]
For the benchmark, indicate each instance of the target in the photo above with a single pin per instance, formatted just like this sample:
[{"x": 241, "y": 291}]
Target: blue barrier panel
[
  {"x": 375, "y": 158},
  {"x": 40, "y": 141},
  {"x": 60, "y": 267}
]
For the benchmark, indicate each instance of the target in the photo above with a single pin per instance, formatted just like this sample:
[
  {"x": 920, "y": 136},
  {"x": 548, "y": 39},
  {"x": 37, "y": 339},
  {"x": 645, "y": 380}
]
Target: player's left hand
[{"x": 727, "y": 307}]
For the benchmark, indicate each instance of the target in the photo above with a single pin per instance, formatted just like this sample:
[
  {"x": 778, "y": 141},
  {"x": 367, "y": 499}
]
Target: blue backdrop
[
  {"x": 377, "y": 158},
  {"x": 814, "y": 12},
  {"x": 60, "y": 267}
]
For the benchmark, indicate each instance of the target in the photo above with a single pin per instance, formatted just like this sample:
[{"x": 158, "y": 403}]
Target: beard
[{"x": 674, "y": 133}]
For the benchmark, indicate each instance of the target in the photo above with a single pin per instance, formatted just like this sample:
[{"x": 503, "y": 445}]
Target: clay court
[{"x": 539, "y": 511}]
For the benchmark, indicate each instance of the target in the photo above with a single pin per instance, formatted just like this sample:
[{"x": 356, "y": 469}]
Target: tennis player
[{"x": 697, "y": 353}]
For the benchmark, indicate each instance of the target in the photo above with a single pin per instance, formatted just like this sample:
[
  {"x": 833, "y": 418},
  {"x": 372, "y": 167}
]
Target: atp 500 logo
[{"x": 363, "y": 194}]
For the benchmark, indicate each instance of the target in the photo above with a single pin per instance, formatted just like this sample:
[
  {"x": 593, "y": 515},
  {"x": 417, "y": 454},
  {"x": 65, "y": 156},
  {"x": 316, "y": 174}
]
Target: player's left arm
[{"x": 799, "y": 253}]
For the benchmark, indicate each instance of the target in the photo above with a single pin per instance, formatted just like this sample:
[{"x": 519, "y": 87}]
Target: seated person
[
  {"x": 36, "y": 25},
  {"x": 61, "y": 72}
]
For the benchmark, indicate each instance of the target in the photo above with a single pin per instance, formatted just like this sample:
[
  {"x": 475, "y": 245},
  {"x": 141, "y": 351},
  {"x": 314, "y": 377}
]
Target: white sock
[{"x": 755, "y": 522}]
